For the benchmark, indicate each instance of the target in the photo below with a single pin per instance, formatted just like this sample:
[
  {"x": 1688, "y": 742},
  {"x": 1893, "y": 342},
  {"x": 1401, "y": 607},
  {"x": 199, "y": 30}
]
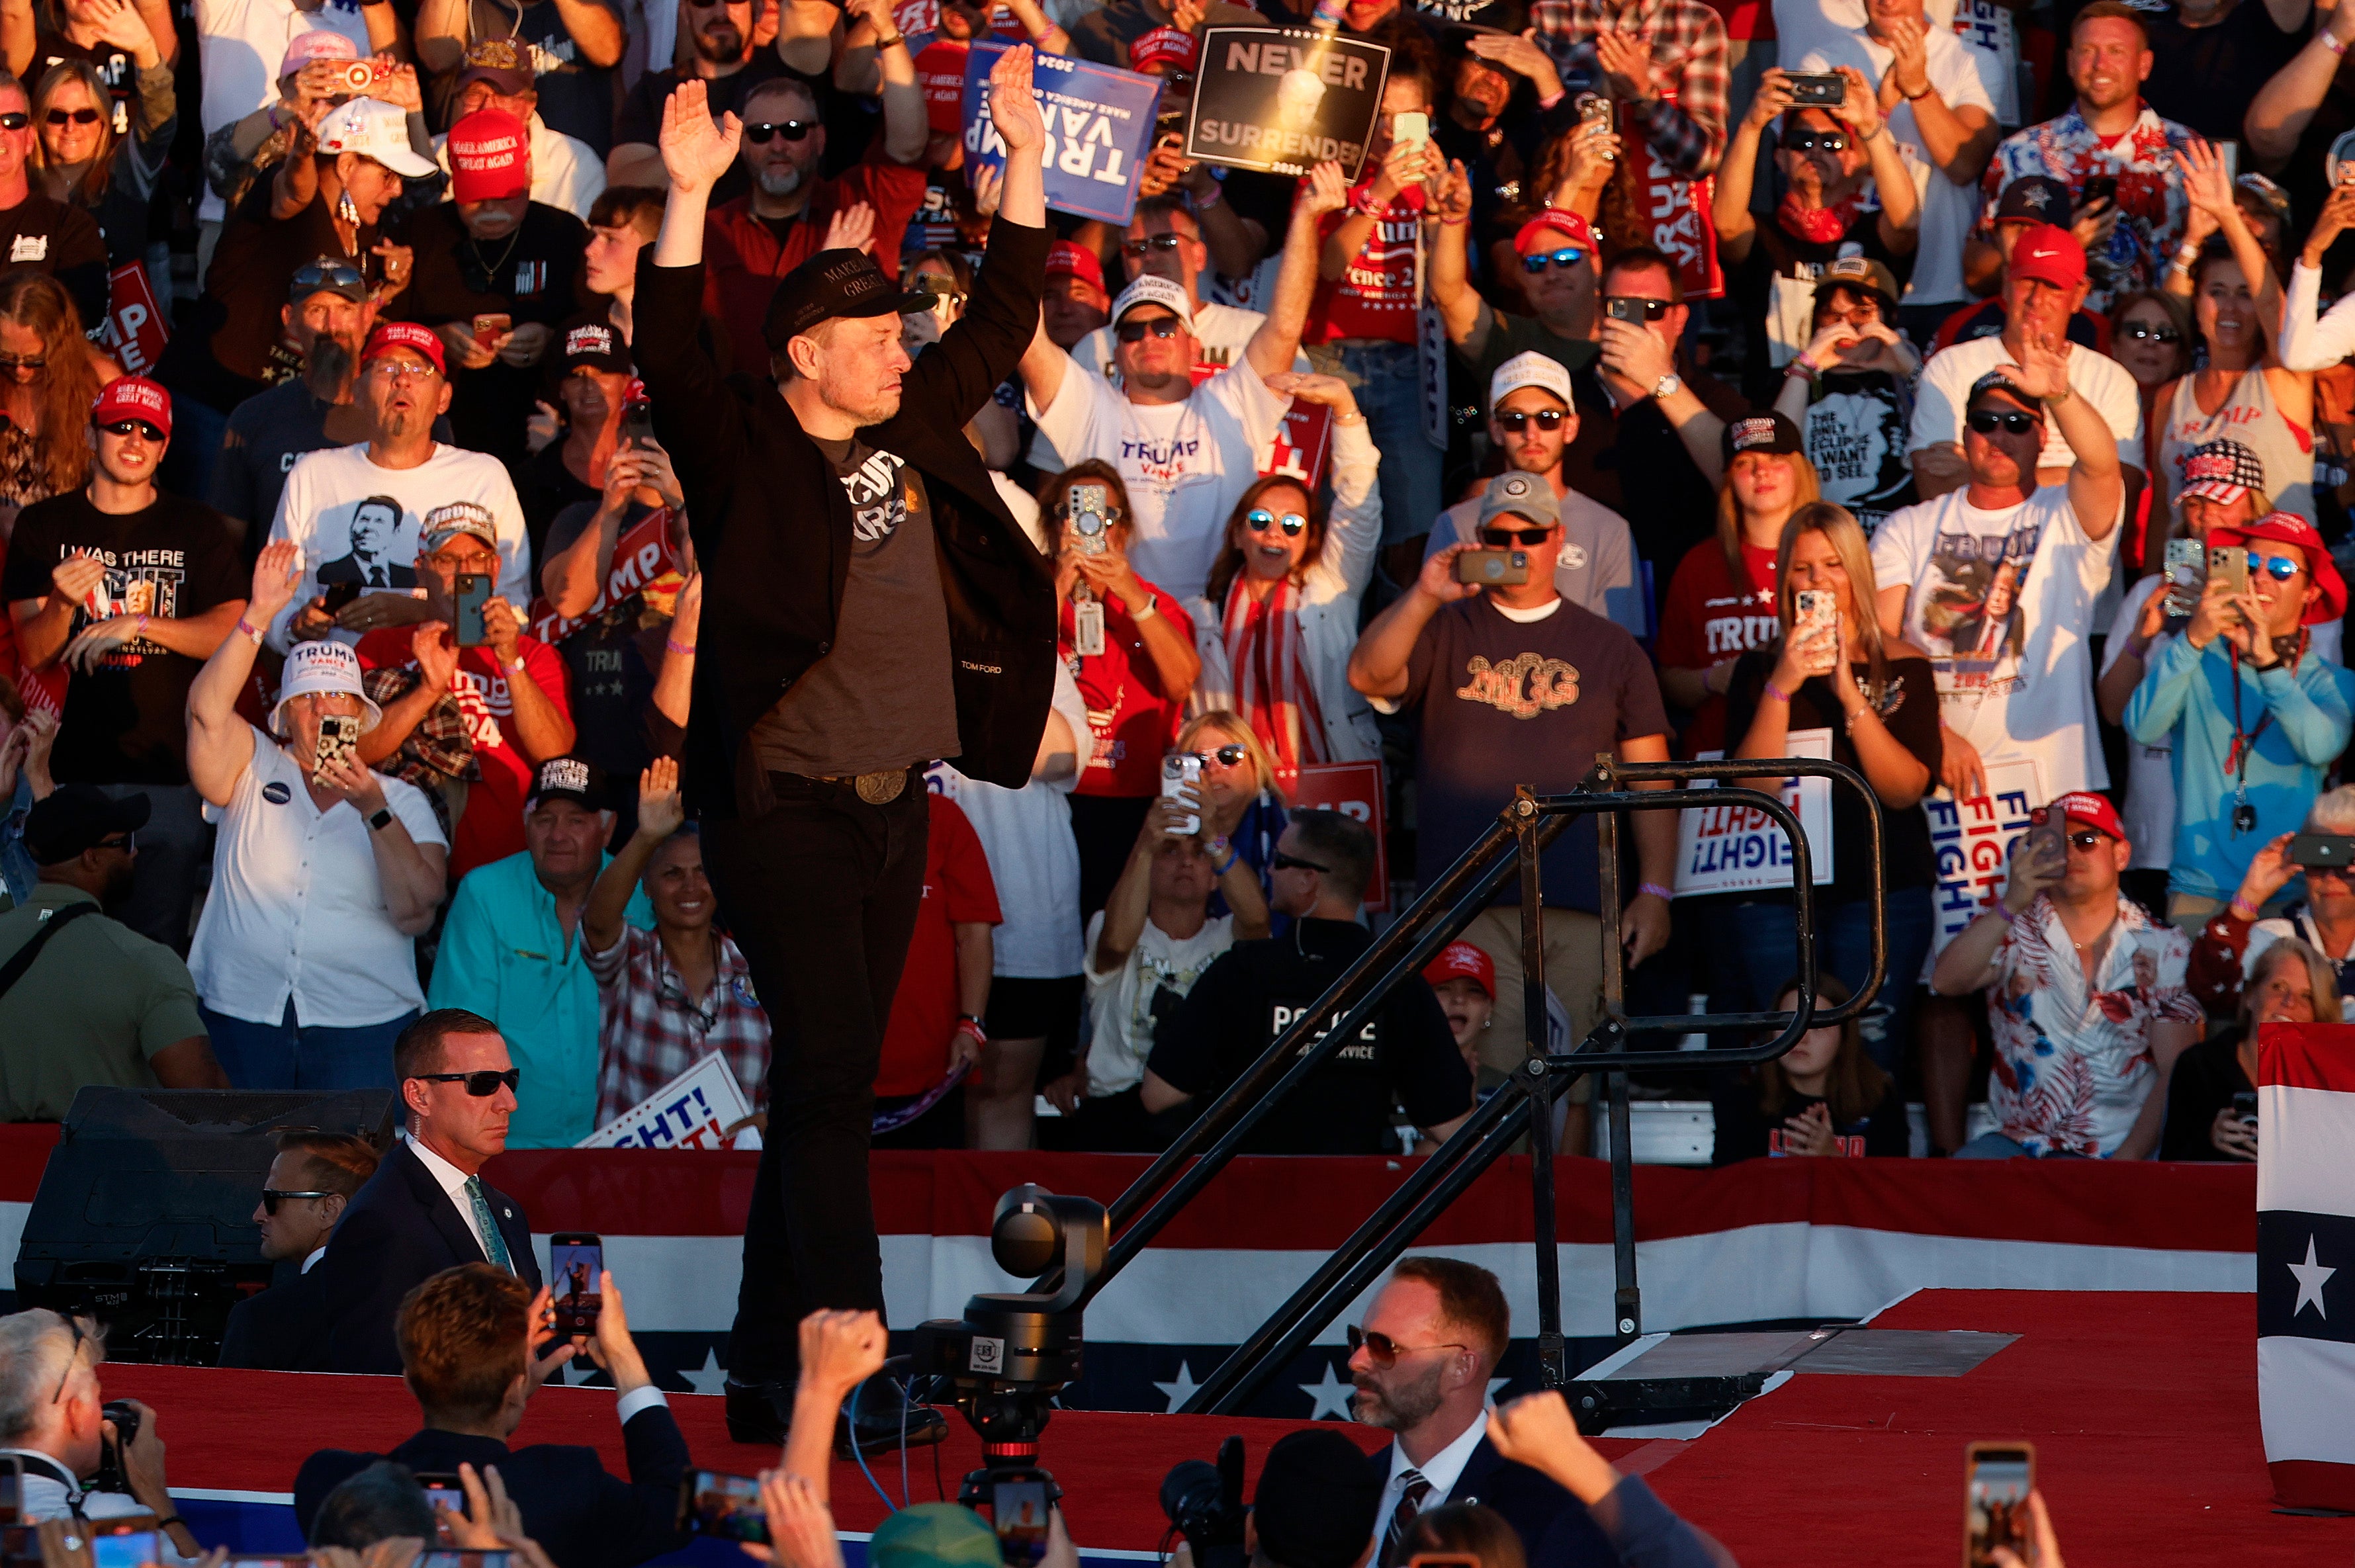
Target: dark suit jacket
[
  {"x": 583, "y": 1516},
  {"x": 347, "y": 568},
  {"x": 283, "y": 1329},
  {"x": 399, "y": 1230},
  {"x": 1555, "y": 1529}
]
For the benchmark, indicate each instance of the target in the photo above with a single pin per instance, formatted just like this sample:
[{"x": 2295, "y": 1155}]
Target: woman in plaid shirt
[{"x": 670, "y": 996}]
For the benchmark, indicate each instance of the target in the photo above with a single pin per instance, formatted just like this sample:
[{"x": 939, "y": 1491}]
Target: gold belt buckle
[{"x": 881, "y": 789}]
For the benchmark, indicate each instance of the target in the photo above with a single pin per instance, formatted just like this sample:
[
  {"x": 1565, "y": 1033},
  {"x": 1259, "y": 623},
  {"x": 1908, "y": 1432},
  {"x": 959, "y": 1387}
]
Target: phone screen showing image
[
  {"x": 132, "y": 1549},
  {"x": 575, "y": 1262},
  {"x": 444, "y": 1490},
  {"x": 725, "y": 1506},
  {"x": 1994, "y": 1504},
  {"x": 1018, "y": 1508}
]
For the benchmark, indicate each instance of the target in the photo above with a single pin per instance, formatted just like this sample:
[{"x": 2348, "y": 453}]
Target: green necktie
[{"x": 492, "y": 1243}]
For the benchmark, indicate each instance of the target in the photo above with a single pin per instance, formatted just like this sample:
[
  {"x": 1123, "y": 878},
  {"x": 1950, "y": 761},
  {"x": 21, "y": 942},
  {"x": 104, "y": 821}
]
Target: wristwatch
[
  {"x": 381, "y": 820},
  {"x": 1666, "y": 387}
]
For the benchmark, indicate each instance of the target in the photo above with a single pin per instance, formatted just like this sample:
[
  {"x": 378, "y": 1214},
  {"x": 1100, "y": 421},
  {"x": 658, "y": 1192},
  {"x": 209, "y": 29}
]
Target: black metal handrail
[{"x": 1523, "y": 830}]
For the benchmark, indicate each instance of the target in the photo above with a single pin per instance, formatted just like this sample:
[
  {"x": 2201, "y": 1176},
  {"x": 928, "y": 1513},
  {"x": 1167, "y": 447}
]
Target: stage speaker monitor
[{"x": 145, "y": 1215}]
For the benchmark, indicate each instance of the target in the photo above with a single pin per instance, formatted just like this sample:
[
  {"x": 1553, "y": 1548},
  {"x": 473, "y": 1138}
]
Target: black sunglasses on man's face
[{"x": 481, "y": 1085}]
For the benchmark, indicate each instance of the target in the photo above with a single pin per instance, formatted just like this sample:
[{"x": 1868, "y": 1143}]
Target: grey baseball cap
[{"x": 1525, "y": 495}]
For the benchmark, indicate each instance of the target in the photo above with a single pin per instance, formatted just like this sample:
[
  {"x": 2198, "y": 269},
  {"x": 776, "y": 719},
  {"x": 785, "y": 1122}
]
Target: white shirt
[
  {"x": 239, "y": 46},
  {"x": 566, "y": 172},
  {"x": 326, "y": 488},
  {"x": 1983, "y": 27},
  {"x": 2019, "y": 686},
  {"x": 1948, "y": 209},
  {"x": 316, "y": 1254},
  {"x": 1221, "y": 333},
  {"x": 2308, "y": 344},
  {"x": 1947, "y": 379},
  {"x": 1120, "y": 1001},
  {"x": 296, "y": 908},
  {"x": 1184, "y": 464},
  {"x": 1443, "y": 1470},
  {"x": 46, "y": 1497},
  {"x": 452, "y": 1181}
]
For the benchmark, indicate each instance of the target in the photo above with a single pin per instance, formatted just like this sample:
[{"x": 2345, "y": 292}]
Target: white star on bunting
[
  {"x": 2311, "y": 1277},
  {"x": 709, "y": 1378},
  {"x": 1180, "y": 1390},
  {"x": 1333, "y": 1394}
]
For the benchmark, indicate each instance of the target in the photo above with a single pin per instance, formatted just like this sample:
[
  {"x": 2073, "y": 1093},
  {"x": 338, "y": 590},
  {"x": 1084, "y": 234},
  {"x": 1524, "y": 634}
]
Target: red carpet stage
[{"x": 2142, "y": 1407}]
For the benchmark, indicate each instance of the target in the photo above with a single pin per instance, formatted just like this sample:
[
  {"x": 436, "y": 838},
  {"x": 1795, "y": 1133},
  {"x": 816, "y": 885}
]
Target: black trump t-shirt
[{"x": 1404, "y": 1053}]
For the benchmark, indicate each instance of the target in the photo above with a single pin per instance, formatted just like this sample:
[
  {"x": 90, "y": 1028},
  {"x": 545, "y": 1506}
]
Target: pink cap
[
  {"x": 490, "y": 156},
  {"x": 318, "y": 44},
  {"x": 134, "y": 398}
]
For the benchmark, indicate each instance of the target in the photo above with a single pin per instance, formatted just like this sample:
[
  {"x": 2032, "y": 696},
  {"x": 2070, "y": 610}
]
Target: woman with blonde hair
[
  {"x": 1831, "y": 682},
  {"x": 50, "y": 376},
  {"x": 2212, "y": 1091},
  {"x": 81, "y": 160},
  {"x": 1275, "y": 629},
  {"x": 1716, "y": 608},
  {"x": 1244, "y": 807}
]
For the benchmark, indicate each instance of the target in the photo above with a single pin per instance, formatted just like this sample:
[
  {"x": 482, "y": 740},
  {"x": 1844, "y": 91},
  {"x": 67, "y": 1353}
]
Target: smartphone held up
[
  {"x": 576, "y": 1259},
  {"x": 1997, "y": 1477}
]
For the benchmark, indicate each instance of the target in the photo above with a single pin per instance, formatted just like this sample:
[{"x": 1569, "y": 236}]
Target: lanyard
[{"x": 2245, "y": 816}]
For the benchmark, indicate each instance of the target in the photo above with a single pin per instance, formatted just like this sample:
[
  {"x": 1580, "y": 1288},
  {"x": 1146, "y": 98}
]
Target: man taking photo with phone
[{"x": 2224, "y": 954}]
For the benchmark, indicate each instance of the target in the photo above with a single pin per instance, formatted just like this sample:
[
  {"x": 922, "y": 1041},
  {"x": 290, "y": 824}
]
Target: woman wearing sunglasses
[
  {"x": 50, "y": 377},
  {"x": 2241, "y": 390},
  {"x": 1244, "y": 807},
  {"x": 1873, "y": 700},
  {"x": 1275, "y": 629},
  {"x": 81, "y": 161},
  {"x": 1718, "y": 605},
  {"x": 1131, "y": 648},
  {"x": 1831, "y": 160}
]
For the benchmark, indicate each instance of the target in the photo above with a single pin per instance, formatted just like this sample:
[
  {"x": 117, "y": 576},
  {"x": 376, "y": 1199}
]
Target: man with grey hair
[
  {"x": 2225, "y": 957},
  {"x": 53, "y": 1421},
  {"x": 383, "y": 1502}
]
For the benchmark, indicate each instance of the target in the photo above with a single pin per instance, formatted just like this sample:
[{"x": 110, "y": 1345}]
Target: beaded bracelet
[
  {"x": 684, "y": 650},
  {"x": 1657, "y": 891}
]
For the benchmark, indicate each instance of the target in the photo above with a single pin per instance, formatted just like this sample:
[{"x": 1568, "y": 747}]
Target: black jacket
[
  {"x": 584, "y": 1517},
  {"x": 1629, "y": 1529},
  {"x": 773, "y": 528},
  {"x": 283, "y": 1328},
  {"x": 399, "y": 1230}
]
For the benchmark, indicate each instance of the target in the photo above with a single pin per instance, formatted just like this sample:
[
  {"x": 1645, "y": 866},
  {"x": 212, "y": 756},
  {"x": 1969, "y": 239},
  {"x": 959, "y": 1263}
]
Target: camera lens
[{"x": 1189, "y": 1492}]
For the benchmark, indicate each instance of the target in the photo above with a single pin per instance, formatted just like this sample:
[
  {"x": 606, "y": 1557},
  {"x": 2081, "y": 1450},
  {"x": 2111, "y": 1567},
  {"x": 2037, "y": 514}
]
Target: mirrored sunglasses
[
  {"x": 1164, "y": 327},
  {"x": 1259, "y": 519},
  {"x": 1547, "y": 420},
  {"x": 761, "y": 133},
  {"x": 1986, "y": 422},
  {"x": 1537, "y": 261}
]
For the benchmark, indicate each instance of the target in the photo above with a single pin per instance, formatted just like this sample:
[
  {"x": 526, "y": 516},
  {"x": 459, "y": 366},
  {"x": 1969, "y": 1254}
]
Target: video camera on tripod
[{"x": 1012, "y": 1352}]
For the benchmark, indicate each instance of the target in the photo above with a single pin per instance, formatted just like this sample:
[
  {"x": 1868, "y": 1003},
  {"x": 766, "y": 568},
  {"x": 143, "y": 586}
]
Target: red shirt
[
  {"x": 1132, "y": 721},
  {"x": 957, "y": 892},
  {"x": 1375, "y": 296},
  {"x": 1707, "y": 617},
  {"x": 743, "y": 259},
  {"x": 492, "y": 828}
]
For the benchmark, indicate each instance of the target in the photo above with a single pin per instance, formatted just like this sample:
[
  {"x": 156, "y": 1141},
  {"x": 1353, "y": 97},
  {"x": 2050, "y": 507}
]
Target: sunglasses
[
  {"x": 759, "y": 134},
  {"x": 1380, "y": 1348},
  {"x": 1259, "y": 519},
  {"x": 1227, "y": 756},
  {"x": 15, "y": 119},
  {"x": 73, "y": 1356},
  {"x": 271, "y": 1198},
  {"x": 1139, "y": 248},
  {"x": 1283, "y": 862},
  {"x": 1537, "y": 261},
  {"x": 1986, "y": 422},
  {"x": 1162, "y": 326},
  {"x": 1654, "y": 310},
  {"x": 1547, "y": 420},
  {"x": 71, "y": 117},
  {"x": 1528, "y": 538},
  {"x": 2152, "y": 333},
  {"x": 126, "y": 842},
  {"x": 24, "y": 361},
  {"x": 325, "y": 274},
  {"x": 2088, "y": 838},
  {"x": 1813, "y": 140},
  {"x": 480, "y": 1085},
  {"x": 132, "y": 427}
]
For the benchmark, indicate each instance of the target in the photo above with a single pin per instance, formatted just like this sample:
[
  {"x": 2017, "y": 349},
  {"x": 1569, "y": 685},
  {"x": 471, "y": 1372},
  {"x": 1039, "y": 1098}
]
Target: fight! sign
[
  {"x": 1099, "y": 128},
  {"x": 1972, "y": 840},
  {"x": 1281, "y": 99},
  {"x": 1739, "y": 849}
]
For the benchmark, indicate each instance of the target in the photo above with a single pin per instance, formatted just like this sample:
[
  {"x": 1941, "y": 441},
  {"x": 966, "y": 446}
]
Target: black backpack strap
[{"x": 52, "y": 923}]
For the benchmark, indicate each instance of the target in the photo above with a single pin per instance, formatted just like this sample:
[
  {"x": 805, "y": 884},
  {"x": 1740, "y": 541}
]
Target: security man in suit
[
  {"x": 468, "y": 1349},
  {"x": 426, "y": 1209},
  {"x": 284, "y": 1329}
]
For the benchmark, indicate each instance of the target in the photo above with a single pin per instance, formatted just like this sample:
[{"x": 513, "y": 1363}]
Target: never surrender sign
[
  {"x": 1099, "y": 128},
  {"x": 1281, "y": 99}
]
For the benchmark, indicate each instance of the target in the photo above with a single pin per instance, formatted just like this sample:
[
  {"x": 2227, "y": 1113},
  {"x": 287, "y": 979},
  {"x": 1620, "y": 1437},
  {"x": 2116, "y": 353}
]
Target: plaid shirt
[
  {"x": 649, "y": 1033},
  {"x": 438, "y": 752},
  {"x": 1688, "y": 42}
]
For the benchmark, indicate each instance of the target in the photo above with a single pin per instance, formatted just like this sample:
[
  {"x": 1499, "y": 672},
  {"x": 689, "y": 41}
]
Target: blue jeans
[
  {"x": 1995, "y": 1146},
  {"x": 1760, "y": 951},
  {"x": 290, "y": 1055},
  {"x": 1390, "y": 394}
]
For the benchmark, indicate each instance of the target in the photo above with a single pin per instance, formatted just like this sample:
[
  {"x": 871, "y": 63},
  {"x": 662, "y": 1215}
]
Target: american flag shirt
[
  {"x": 650, "y": 1030},
  {"x": 2151, "y": 202},
  {"x": 1685, "y": 130}
]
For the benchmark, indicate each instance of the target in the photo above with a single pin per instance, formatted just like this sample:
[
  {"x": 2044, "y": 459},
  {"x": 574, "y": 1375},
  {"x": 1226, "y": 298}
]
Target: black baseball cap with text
[{"x": 831, "y": 283}]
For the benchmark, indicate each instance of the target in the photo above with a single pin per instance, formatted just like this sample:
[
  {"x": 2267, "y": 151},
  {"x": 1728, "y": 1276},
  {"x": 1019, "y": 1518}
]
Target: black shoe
[
  {"x": 887, "y": 1420},
  {"x": 759, "y": 1413}
]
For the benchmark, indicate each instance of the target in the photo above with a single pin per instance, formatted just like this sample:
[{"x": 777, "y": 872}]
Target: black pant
[{"x": 821, "y": 892}]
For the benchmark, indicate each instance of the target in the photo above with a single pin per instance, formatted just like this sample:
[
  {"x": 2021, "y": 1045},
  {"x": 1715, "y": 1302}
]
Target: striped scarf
[{"x": 1273, "y": 690}]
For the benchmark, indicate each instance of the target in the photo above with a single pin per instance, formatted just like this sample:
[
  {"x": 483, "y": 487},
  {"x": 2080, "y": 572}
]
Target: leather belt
[{"x": 875, "y": 788}]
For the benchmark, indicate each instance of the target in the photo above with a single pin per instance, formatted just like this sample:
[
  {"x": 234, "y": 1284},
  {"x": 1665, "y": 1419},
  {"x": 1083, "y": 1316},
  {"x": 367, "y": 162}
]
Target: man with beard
[
  {"x": 724, "y": 60},
  {"x": 327, "y": 314},
  {"x": 1422, "y": 1365},
  {"x": 789, "y": 213},
  {"x": 98, "y": 1003}
]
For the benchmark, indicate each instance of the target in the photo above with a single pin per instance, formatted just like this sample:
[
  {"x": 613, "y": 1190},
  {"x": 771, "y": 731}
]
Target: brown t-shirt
[{"x": 881, "y": 697}]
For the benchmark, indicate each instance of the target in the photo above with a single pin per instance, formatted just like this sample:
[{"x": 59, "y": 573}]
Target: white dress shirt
[
  {"x": 1443, "y": 1470},
  {"x": 316, "y": 1254},
  {"x": 453, "y": 1182}
]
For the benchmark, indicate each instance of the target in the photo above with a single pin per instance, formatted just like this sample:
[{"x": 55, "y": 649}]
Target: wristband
[
  {"x": 684, "y": 650},
  {"x": 1802, "y": 366},
  {"x": 2240, "y": 911},
  {"x": 896, "y": 39},
  {"x": 2002, "y": 912},
  {"x": 1204, "y": 202},
  {"x": 140, "y": 629},
  {"x": 253, "y": 632},
  {"x": 1367, "y": 206},
  {"x": 1657, "y": 891},
  {"x": 2331, "y": 42},
  {"x": 169, "y": 1519},
  {"x": 1150, "y": 611},
  {"x": 1916, "y": 97},
  {"x": 968, "y": 1024},
  {"x": 1456, "y": 222},
  {"x": 1777, "y": 693}
]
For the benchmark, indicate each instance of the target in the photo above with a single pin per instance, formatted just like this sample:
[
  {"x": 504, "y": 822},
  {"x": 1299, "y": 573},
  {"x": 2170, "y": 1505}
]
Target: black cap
[
  {"x": 77, "y": 816},
  {"x": 1316, "y": 1500},
  {"x": 831, "y": 283},
  {"x": 2034, "y": 199},
  {"x": 1996, "y": 381},
  {"x": 570, "y": 778},
  {"x": 1769, "y": 430},
  {"x": 591, "y": 340}
]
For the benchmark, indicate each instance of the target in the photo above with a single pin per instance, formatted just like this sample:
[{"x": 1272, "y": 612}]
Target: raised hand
[
  {"x": 1860, "y": 106},
  {"x": 988, "y": 183},
  {"x": 399, "y": 261},
  {"x": 1330, "y": 390},
  {"x": 119, "y": 23},
  {"x": 695, "y": 152},
  {"x": 1013, "y": 106},
  {"x": 1519, "y": 53},
  {"x": 1452, "y": 202},
  {"x": 77, "y": 577},
  {"x": 2042, "y": 370},
  {"x": 2205, "y": 184},
  {"x": 2337, "y": 217},
  {"x": 1627, "y": 62},
  {"x": 436, "y": 655},
  {"x": 661, "y": 811},
  {"x": 1907, "y": 38},
  {"x": 1325, "y": 190},
  {"x": 399, "y": 88},
  {"x": 1437, "y": 577},
  {"x": 541, "y": 427},
  {"x": 851, "y": 228},
  {"x": 841, "y": 1349},
  {"x": 274, "y": 574},
  {"x": 1772, "y": 97}
]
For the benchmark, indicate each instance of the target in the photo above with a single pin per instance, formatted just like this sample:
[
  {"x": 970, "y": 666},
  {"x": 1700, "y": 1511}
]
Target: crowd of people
[{"x": 1958, "y": 402}]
